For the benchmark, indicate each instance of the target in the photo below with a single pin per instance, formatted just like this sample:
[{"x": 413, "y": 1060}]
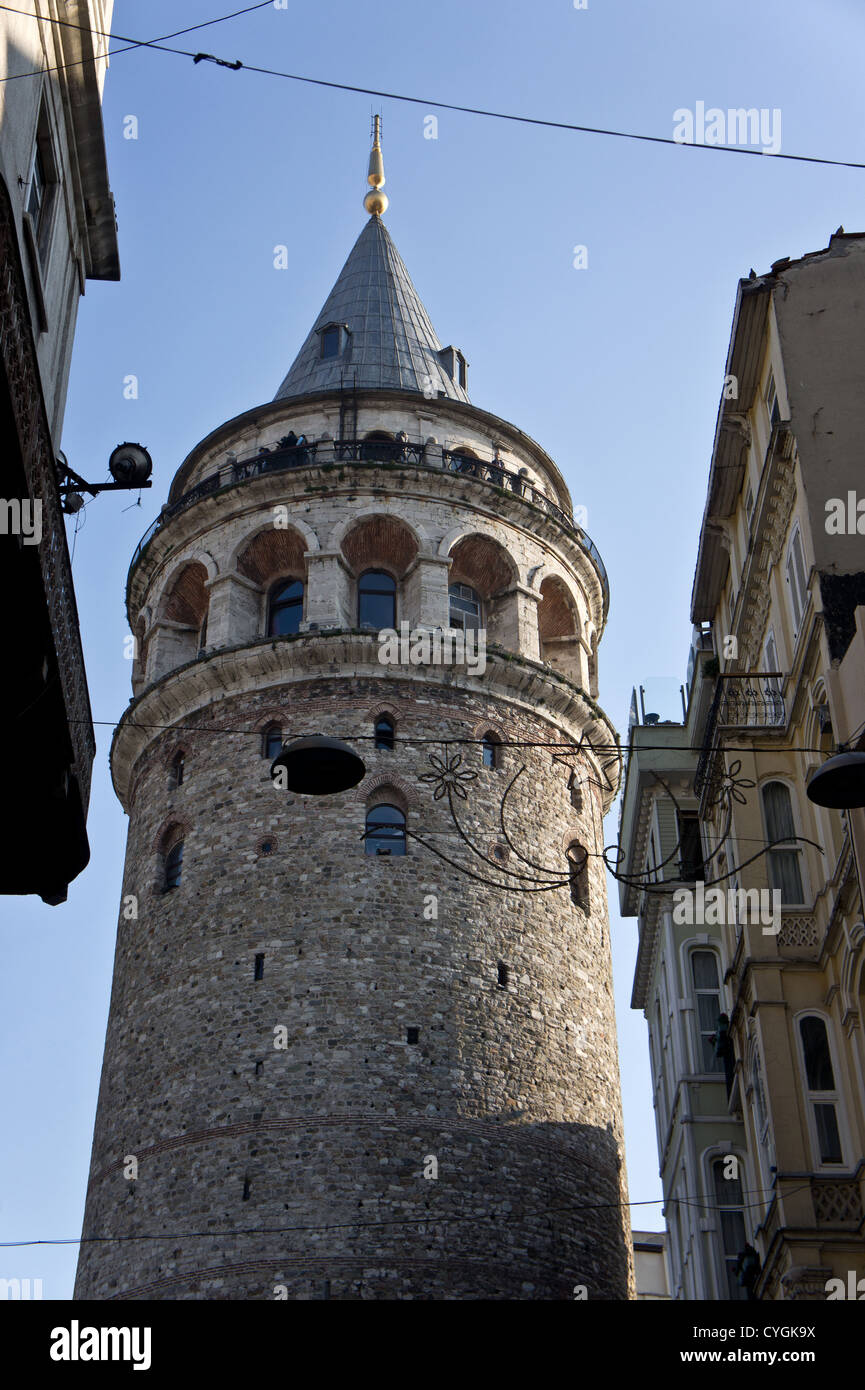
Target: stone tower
[{"x": 348, "y": 1054}]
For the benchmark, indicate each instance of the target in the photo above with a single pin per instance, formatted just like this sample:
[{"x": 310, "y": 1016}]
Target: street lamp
[
  {"x": 317, "y": 766},
  {"x": 840, "y": 782}
]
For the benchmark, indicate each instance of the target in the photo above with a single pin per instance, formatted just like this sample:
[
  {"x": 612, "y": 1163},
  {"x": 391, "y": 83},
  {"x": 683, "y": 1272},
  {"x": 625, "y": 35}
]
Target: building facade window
[
  {"x": 730, "y": 1214},
  {"x": 173, "y": 867},
  {"x": 271, "y": 742},
  {"x": 42, "y": 187},
  {"x": 784, "y": 865},
  {"x": 465, "y": 608},
  {"x": 285, "y": 608},
  {"x": 773, "y": 410},
  {"x": 707, "y": 1008},
  {"x": 761, "y": 1116},
  {"x": 384, "y": 733},
  {"x": 376, "y": 600},
  {"x": 820, "y": 1089},
  {"x": 690, "y": 847},
  {"x": 178, "y": 768},
  {"x": 385, "y": 830},
  {"x": 490, "y": 748},
  {"x": 797, "y": 579}
]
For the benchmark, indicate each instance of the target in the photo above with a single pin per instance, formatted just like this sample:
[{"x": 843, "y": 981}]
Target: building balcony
[{"x": 744, "y": 702}]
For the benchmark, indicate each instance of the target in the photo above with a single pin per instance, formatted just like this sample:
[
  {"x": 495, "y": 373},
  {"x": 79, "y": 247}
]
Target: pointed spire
[
  {"x": 375, "y": 201},
  {"x": 383, "y": 338}
]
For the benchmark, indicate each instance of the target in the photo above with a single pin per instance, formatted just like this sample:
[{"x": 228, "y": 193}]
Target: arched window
[
  {"x": 376, "y": 600},
  {"x": 378, "y": 447},
  {"x": 384, "y": 732},
  {"x": 490, "y": 748},
  {"x": 576, "y": 791},
  {"x": 784, "y": 864},
  {"x": 707, "y": 1008},
  {"x": 820, "y": 1089},
  {"x": 285, "y": 607},
  {"x": 578, "y": 866},
  {"x": 271, "y": 742},
  {"x": 173, "y": 866},
  {"x": 731, "y": 1225},
  {"x": 385, "y": 830},
  {"x": 797, "y": 579},
  {"x": 465, "y": 608},
  {"x": 178, "y": 766}
]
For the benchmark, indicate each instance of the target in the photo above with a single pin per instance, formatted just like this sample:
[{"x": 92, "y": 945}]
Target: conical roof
[{"x": 390, "y": 342}]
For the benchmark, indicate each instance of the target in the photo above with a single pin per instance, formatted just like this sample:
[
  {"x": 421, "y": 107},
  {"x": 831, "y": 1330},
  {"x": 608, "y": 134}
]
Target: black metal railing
[
  {"x": 742, "y": 701},
  {"x": 322, "y": 452}
]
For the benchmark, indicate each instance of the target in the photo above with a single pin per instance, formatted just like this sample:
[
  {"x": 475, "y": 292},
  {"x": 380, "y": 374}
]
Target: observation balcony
[{"x": 327, "y": 453}]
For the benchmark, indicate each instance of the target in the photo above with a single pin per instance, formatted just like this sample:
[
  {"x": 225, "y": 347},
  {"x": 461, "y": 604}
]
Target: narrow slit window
[
  {"x": 412, "y": 1035},
  {"x": 271, "y": 742},
  {"x": 384, "y": 733},
  {"x": 504, "y": 975},
  {"x": 490, "y": 747},
  {"x": 258, "y": 973},
  {"x": 173, "y": 866},
  {"x": 578, "y": 873}
]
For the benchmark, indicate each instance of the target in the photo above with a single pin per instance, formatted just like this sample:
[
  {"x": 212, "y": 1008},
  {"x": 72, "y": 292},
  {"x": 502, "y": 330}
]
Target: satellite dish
[{"x": 130, "y": 464}]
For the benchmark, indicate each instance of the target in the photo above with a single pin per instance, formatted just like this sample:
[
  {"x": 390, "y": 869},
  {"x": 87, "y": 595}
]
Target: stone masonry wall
[{"x": 299, "y": 1172}]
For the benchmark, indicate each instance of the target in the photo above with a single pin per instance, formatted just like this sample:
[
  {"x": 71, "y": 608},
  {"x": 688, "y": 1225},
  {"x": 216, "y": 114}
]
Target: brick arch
[
  {"x": 490, "y": 726},
  {"x": 392, "y": 710},
  {"x": 273, "y": 716},
  {"x": 382, "y": 788},
  {"x": 342, "y": 529},
  {"x": 571, "y": 837},
  {"x": 185, "y": 597},
  {"x": 172, "y": 830},
  {"x": 483, "y": 563},
  {"x": 558, "y": 615},
  {"x": 272, "y": 553},
  {"x": 380, "y": 541}
]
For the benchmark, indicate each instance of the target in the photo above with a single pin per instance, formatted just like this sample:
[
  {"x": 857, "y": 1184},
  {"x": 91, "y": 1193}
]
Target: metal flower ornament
[
  {"x": 446, "y": 776},
  {"x": 732, "y": 789},
  {"x": 449, "y": 779}
]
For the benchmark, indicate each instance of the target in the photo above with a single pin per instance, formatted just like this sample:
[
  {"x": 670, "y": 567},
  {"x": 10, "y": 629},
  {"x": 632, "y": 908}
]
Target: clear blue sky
[{"x": 615, "y": 369}]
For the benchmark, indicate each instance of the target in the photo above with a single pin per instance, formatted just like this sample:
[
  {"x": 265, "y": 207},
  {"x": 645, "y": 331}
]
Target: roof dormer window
[
  {"x": 332, "y": 340},
  {"x": 455, "y": 365}
]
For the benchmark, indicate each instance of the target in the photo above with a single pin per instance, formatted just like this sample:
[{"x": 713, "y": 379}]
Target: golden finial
[{"x": 375, "y": 201}]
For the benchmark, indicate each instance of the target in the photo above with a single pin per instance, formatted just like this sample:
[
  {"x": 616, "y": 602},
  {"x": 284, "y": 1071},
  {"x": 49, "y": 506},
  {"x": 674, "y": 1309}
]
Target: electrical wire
[
  {"x": 103, "y": 33},
  {"x": 396, "y": 1221},
  {"x": 237, "y": 65},
  {"x": 565, "y": 748}
]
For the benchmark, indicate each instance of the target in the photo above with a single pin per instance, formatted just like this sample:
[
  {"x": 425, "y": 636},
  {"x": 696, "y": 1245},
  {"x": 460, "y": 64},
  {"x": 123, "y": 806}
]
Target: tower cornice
[{"x": 269, "y": 662}]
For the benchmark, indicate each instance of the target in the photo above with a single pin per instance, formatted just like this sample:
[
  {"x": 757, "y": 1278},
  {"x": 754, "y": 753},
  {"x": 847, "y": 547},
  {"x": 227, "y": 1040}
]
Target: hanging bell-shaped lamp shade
[
  {"x": 839, "y": 783},
  {"x": 317, "y": 766}
]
